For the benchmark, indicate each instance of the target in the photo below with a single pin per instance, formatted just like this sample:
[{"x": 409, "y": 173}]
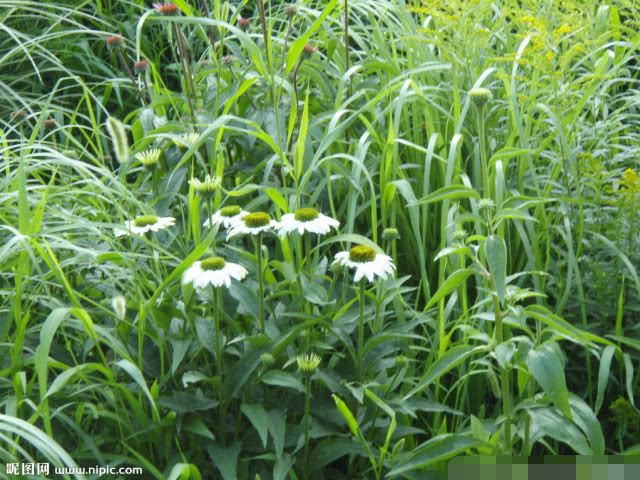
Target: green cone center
[
  {"x": 230, "y": 211},
  {"x": 145, "y": 220},
  {"x": 362, "y": 254},
  {"x": 213, "y": 263},
  {"x": 257, "y": 219},
  {"x": 306, "y": 214}
]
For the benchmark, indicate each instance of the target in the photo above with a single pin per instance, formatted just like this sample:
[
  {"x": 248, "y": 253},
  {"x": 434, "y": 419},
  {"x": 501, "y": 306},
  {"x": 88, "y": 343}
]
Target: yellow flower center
[
  {"x": 145, "y": 220},
  {"x": 362, "y": 254},
  {"x": 230, "y": 211},
  {"x": 306, "y": 214},
  {"x": 257, "y": 219},
  {"x": 213, "y": 263}
]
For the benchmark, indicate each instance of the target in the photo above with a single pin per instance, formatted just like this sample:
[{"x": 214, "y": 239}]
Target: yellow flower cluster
[{"x": 630, "y": 189}]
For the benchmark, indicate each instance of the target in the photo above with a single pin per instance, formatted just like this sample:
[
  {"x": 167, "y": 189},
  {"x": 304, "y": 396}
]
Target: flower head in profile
[
  {"x": 215, "y": 271},
  {"x": 165, "y": 8},
  {"x": 306, "y": 220},
  {"x": 149, "y": 158},
  {"x": 308, "y": 50},
  {"x": 244, "y": 23},
  {"x": 114, "y": 41},
  {"x": 187, "y": 139},
  {"x": 367, "y": 263},
  {"x": 144, "y": 224},
  {"x": 226, "y": 216},
  {"x": 308, "y": 363},
  {"x": 207, "y": 187},
  {"x": 140, "y": 66},
  {"x": 252, "y": 224}
]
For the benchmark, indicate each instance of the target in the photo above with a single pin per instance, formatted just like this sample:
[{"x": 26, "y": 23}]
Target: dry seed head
[
  {"x": 140, "y": 66},
  {"x": 49, "y": 124},
  {"x": 114, "y": 41},
  {"x": 291, "y": 10},
  {"x": 244, "y": 23},
  {"x": 227, "y": 60},
  {"x": 362, "y": 254},
  {"x": 18, "y": 115},
  {"x": 213, "y": 263},
  {"x": 309, "y": 50},
  {"x": 166, "y": 8}
]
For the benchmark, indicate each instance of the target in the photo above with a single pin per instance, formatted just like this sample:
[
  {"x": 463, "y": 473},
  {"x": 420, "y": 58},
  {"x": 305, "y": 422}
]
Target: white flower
[
  {"x": 227, "y": 216},
  {"x": 187, "y": 139},
  {"x": 149, "y": 158},
  {"x": 215, "y": 271},
  {"x": 306, "y": 220},
  {"x": 252, "y": 224},
  {"x": 367, "y": 263},
  {"x": 144, "y": 224}
]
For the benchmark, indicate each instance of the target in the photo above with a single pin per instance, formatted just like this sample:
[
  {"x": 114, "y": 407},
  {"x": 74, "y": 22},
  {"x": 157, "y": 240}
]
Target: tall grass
[{"x": 508, "y": 213}]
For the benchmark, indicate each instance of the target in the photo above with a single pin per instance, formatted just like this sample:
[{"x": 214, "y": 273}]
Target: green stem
[
  {"x": 216, "y": 326},
  {"x": 260, "y": 281},
  {"x": 306, "y": 428},
  {"x": 483, "y": 153},
  {"x": 360, "y": 332},
  {"x": 504, "y": 379}
]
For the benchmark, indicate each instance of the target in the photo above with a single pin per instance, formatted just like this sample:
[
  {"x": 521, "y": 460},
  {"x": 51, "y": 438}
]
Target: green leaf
[
  {"x": 225, "y": 459},
  {"x": 258, "y": 418},
  {"x": 450, "y": 360},
  {"x": 584, "y": 417},
  {"x": 298, "y": 153},
  {"x": 450, "y": 192},
  {"x": 435, "y": 450},
  {"x": 496, "y": 252},
  {"x": 135, "y": 373},
  {"x": 277, "y": 423},
  {"x": 296, "y": 48},
  {"x": 603, "y": 374},
  {"x": 331, "y": 449},
  {"x": 277, "y": 198},
  {"x": 194, "y": 424},
  {"x": 450, "y": 284},
  {"x": 547, "y": 422},
  {"x": 282, "y": 379},
  {"x": 628, "y": 369},
  {"x": 546, "y": 368},
  {"x": 348, "y": 416}
]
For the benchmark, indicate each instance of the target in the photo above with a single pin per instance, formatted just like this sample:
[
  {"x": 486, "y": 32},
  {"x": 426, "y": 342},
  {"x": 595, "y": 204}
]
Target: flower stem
[
  {"x": 306, "y": 428},
  {"x": 360, "y": 333},
  {"x": 260, "y": 281},
  {"x": 504, "y": 379},
  {"x": 216, "y": 327},
  {"x": 483, "y": 153}
]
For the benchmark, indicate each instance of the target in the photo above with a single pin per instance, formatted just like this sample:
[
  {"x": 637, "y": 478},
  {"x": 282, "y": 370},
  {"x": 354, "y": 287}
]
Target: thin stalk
[
  {"x": 131, "y": 77},
  {"x": 360, "y": 332},
  {"x": 286, "y": 41},
  {"x": 307, "y": 401},
  {"x": 188, "y": 79},
  {"x": 346, "y": 40},
  {"x": 216, "y": 326},
  {"x": 504, "y": 379},
  {"x": 260, "y": 281},
  {"x": 483, "y": 153}
]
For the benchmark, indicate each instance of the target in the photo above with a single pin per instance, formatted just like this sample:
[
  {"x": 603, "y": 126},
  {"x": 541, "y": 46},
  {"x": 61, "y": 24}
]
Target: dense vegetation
[{"x": 481, "y": 156}]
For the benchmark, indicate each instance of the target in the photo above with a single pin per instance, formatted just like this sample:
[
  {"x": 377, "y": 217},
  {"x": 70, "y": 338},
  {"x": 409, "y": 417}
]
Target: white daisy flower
[
  {"x": 226, "y": 216},
  {"x": 306, "y": 220},
  {"x": 215, "y": 271},
  {"x": 252, "y": 224},
  {"x": 144, "y": 224},
  {"x": 367, "y": 262}
]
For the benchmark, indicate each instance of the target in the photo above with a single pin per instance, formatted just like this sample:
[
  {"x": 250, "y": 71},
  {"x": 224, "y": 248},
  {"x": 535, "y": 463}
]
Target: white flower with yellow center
[
  {"x": 367, "y": 262},
  {"x": 252, "y": 224},
  {"x": 226, "y": 216},
  {"x": 215, "y": 271},
  {"x": 144, "y": 224},
  {"x": 306, "y": 220}
]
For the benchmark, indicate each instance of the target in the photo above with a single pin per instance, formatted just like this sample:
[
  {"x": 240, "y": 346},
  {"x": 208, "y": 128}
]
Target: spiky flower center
[
  {"x": 230, "y": 211},
  {"x": 362, "y": 254},
  {"x": 308, "y": 363},
  {"x": 213, "y": 263},
  {"x": 306, "y": 214},
  {"x": 257, "y": 219},
  {"x": 145, "y": 220}
]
